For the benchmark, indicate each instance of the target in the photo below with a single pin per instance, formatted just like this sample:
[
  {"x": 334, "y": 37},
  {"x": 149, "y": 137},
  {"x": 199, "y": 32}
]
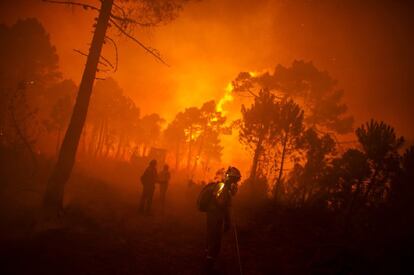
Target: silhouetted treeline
[
  {"x": 37, "y": 105},
  {"x": 292, "y": 129}
]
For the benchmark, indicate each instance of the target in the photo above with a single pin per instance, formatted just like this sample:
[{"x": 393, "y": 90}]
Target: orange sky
[{"x": 366, "y": 46}]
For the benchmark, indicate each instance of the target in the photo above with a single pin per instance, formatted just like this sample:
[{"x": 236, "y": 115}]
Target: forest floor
[{"x": 102, "y": 232}]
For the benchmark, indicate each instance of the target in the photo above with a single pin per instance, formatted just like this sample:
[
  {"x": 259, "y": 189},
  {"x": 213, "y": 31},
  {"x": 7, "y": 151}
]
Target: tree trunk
[
  {"x": 200, "y": 150},
  {"x": 21, "y": 133},
  {"x": 106, "y": 141},
  {"x": 123, "y": 150},
  {"x": 177, "y": 156},
  {"x": 282, "y": 162},
  {"x": 371, "y": 183},
  {"x": 100, "y": 141},
  {"x": 92, "y": 140},
  {"x": 58, "y": 141},
  {"x": 120, "y": 143},
  {"x": 144, "y": 150},
  {"x": 256, "y": 156},
  {"x": 53, "y": 199},
  {"x": 190, "y": 143},
  {"x": 350, "y": 207}
]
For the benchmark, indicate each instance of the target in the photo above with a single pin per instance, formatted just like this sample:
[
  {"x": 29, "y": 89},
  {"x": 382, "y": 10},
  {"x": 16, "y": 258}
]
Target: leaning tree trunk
[{"x": 53, "y": 200}]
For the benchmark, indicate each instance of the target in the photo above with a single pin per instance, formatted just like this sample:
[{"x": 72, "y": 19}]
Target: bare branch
[
  {"x": 147, "y": 49},
  {"x": 125, "y": 19},
  {"x": 246, "y": 91},
  {"x": 107, "y": 63},
  {"x": 253, "y": 94},
  {"x": 116, "y": 52},
  {"x": 79, "y": 52},
  {"x": 99, "y": 70},
  {"x": 124, "y": 15},
  {"x": 120, "y": 8},
  {"x": 83, "y": 5},
  {"x": 243, "y": 94}
]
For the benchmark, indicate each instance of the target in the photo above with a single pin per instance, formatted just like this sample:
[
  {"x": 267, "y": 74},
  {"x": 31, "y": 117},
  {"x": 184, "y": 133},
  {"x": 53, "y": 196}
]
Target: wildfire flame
[
  {"x": 226, "y": 98},
  {"x": 253, "y": 74},
  {"x": 194, "y": 134}
]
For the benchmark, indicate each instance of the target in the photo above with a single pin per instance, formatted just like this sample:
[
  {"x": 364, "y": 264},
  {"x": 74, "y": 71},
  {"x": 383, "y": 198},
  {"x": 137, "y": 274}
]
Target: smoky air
[{"x": 206, "y": 137}]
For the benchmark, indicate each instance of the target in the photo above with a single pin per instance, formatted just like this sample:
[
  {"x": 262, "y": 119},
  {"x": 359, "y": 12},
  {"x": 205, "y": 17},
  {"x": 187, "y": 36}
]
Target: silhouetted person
[
  {"x": 164, "y": 179},
  {"x": 148, "y": 180},
  {"x": 218, "y": 213}
]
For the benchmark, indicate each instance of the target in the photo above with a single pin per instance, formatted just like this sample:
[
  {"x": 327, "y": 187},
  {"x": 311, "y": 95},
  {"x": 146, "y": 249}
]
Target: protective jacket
[
  {"x": 218, "y": 216},
  {"x": 149, "y": 177}
]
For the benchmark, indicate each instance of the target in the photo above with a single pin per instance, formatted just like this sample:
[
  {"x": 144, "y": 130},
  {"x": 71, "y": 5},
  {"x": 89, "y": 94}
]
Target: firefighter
[
  {"x": 148, "y": 180},
  {"x": 218, "y": 213}
]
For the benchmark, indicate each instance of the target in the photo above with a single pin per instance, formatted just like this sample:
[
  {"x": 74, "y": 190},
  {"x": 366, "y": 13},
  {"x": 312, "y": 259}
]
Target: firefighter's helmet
[{"x": 233, "y": 174}]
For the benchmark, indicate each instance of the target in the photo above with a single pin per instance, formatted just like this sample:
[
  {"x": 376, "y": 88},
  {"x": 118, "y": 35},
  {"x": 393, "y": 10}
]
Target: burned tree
[
  {"x": 120, "y": 16},
  {"x": 314, "y": 90},
  {"x": 29, "y": 64},
  {"x": 259, "y": 126},
  {"x": 290, "y": 125}
]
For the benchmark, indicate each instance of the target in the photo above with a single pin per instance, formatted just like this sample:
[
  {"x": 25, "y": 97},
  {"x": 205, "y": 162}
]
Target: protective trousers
[
  {"x": 146, "y": 198},
  {"x": 215, "y": 223},
  {"x": 163, "y": 192}
]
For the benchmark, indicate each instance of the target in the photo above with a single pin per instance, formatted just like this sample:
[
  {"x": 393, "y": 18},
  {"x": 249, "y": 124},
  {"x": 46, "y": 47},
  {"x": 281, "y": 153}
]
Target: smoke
[{"x": 365, "y": 45}]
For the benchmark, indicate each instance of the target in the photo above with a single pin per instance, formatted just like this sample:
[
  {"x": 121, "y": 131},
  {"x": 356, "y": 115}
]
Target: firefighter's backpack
[{"x": 205, "y": 196}]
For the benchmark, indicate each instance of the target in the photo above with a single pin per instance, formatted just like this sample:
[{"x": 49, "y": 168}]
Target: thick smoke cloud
[{"x": 362, "y": 44}]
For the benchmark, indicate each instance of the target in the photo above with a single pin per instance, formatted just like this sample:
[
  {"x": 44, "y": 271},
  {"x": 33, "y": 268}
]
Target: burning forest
[{"x": 206, "y": 137}]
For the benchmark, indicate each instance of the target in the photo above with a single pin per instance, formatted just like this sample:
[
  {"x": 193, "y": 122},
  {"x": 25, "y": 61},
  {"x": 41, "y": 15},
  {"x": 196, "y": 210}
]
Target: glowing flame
[
  {"x": 253, "y": 74},
  {"x": 226, "y": 98},
  {"x": 194, "y": 134},
  {"x": 214, "y": 119}
]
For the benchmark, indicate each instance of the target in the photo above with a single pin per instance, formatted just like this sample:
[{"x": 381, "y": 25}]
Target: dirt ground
[{"x": 102, "y": 232}]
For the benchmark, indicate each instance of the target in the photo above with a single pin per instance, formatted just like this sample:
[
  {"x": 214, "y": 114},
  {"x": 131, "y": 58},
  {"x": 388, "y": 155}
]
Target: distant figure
[
  {"x": 164, "y": 179},
  {"x": 148, "y": 180},
  {"x": 215, "y": 200}
]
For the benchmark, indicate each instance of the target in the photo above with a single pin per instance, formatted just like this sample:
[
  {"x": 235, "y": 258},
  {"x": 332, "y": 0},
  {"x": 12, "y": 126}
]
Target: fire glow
[{"x": 228, "y": 97}]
